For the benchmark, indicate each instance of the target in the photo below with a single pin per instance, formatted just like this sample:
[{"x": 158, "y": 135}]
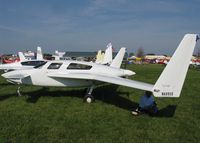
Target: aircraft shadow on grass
[
  {"x": 107, "y": 94},
  {"x": 168, "y": 111},
  {"x": 6, "y": 84}
]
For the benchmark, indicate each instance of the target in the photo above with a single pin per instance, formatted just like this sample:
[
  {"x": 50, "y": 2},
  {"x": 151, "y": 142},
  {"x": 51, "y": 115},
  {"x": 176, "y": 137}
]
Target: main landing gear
[{"x": 88, "y": 97}]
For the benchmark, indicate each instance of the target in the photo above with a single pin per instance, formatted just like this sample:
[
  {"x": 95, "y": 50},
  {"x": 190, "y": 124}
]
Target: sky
[{"x": 89, "y": 25}]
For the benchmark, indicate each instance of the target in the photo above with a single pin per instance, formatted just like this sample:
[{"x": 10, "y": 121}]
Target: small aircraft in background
[
  {"x": 88, "y": 74},
  {"x": 58, "y": 55},
  {"x": 24, "y": 63},
  {"x": 105, "y": 58}
]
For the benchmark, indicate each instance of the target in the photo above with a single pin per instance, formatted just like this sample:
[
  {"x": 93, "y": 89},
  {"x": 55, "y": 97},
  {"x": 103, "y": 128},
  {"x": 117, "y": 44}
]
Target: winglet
[
  {"x": 21, "y": 56},
  {"x": 170, "y": 82},
  {"x": 108, "y": 55},
  {"x": 118, "y": 58},
  {"x": 39, "y": 54}
]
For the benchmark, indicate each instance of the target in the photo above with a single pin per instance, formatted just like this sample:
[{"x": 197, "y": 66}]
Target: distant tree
[
  {"x": 131, "y": 54},
  {"x": 140, "y": 52}
]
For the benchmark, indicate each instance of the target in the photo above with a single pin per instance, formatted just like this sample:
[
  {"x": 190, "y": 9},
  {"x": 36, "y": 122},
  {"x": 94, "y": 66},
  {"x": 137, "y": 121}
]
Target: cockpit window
[
  {"x": 75, "y": 66},
  {"x": 54, "y": 66},
  {"x": 41, "y": 65},
  {"x": 32, "y": 63}
]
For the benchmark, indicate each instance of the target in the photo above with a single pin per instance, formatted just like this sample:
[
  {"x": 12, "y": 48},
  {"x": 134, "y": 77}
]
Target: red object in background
[
  {"x": 197, "y": 61},
  {"x": 7, "y": 61},
  {"x": 163, "y": 62}
]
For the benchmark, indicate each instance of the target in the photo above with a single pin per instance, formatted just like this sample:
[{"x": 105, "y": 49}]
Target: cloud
[
  {"x": 128, "y": 6},
  {"x": 91, "y": 24},
  {"x": 11, "y": 29},
  {"x": 100, "y": 6}
]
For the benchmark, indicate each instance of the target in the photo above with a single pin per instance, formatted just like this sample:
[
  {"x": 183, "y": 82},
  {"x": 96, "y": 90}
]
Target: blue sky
[{"x": 88, "y": 25}]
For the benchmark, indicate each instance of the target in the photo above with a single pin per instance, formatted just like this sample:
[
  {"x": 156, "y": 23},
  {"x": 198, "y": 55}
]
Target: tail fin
[
  {"x": 39, "y": 54},
  {"x": 170, "y": 82},
  {"x": 21, "y": 56},
  {"x": 108, "y": 55},
  {"x": 117, "y": 61}
]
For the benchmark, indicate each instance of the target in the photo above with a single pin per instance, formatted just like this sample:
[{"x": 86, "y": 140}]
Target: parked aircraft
[
  {"x": 105, "y": 58},
  {"x": 24, "y": 63},
  {"x": 29, "y": 55},
  {"x": 58, "y": 55},
  {"x": 76, "y": 74}
]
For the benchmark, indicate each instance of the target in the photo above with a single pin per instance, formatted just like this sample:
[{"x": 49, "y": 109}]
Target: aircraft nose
[
  {"x": 129, "y": 73},
  {"x": 16, "y": 74},
  {"x": 6, "y": 75},
  {"x": 13, "y": 76}
]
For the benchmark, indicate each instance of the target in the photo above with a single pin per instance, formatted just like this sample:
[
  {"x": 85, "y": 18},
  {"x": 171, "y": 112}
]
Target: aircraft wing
[
  {"x": 11, "y": 66},
  {"x": 107, "y": 79}
]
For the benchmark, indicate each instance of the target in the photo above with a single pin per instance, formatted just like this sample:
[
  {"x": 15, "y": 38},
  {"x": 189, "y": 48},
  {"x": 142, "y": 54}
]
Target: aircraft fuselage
[{"x": 41, "y": 76}]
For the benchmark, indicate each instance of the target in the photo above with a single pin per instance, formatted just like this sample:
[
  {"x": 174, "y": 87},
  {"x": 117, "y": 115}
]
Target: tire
[{"x": 89, "y": 98}]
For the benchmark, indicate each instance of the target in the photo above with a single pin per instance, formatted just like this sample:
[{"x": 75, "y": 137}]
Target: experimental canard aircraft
[{"x": 88, "y": 74}]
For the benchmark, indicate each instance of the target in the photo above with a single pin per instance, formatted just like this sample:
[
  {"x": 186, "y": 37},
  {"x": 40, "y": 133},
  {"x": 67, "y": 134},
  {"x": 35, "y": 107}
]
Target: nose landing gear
[{"x": 18, "y": 91}]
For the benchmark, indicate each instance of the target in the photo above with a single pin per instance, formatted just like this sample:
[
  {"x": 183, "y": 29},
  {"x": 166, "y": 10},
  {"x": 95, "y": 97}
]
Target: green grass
[{"x": 59, "y": 115}]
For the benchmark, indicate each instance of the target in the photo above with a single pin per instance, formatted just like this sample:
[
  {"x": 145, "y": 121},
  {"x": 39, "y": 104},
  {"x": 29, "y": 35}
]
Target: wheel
[
  {"x": 89, "y": 98},
  {"x": 134, "y": 113}
]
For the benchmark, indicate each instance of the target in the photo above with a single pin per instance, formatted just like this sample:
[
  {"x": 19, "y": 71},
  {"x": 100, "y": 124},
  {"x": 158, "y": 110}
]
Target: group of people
[{"x": 147, "y": 105}]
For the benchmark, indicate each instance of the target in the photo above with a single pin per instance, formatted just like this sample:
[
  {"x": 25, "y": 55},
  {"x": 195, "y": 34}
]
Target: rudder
[{"x": 170, "y": 82}]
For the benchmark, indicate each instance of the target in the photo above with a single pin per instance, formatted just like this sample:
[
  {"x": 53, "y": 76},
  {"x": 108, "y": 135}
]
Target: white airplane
[{"x": 87, "y": 74}]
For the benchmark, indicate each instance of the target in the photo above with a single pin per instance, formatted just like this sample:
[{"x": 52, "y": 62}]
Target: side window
[
  {"x": 28, "y": 63},
  {"x": 54, "y": 66},
  {"x": 25, "y": 63},
  {"x": 40, "y": 65},
  {"x": 75, "y": 66},
  {"x": 32, "y": 63}
]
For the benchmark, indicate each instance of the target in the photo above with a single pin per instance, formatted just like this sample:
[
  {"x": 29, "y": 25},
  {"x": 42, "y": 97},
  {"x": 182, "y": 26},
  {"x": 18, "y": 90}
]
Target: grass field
[{"x": 59, "y": 115}]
